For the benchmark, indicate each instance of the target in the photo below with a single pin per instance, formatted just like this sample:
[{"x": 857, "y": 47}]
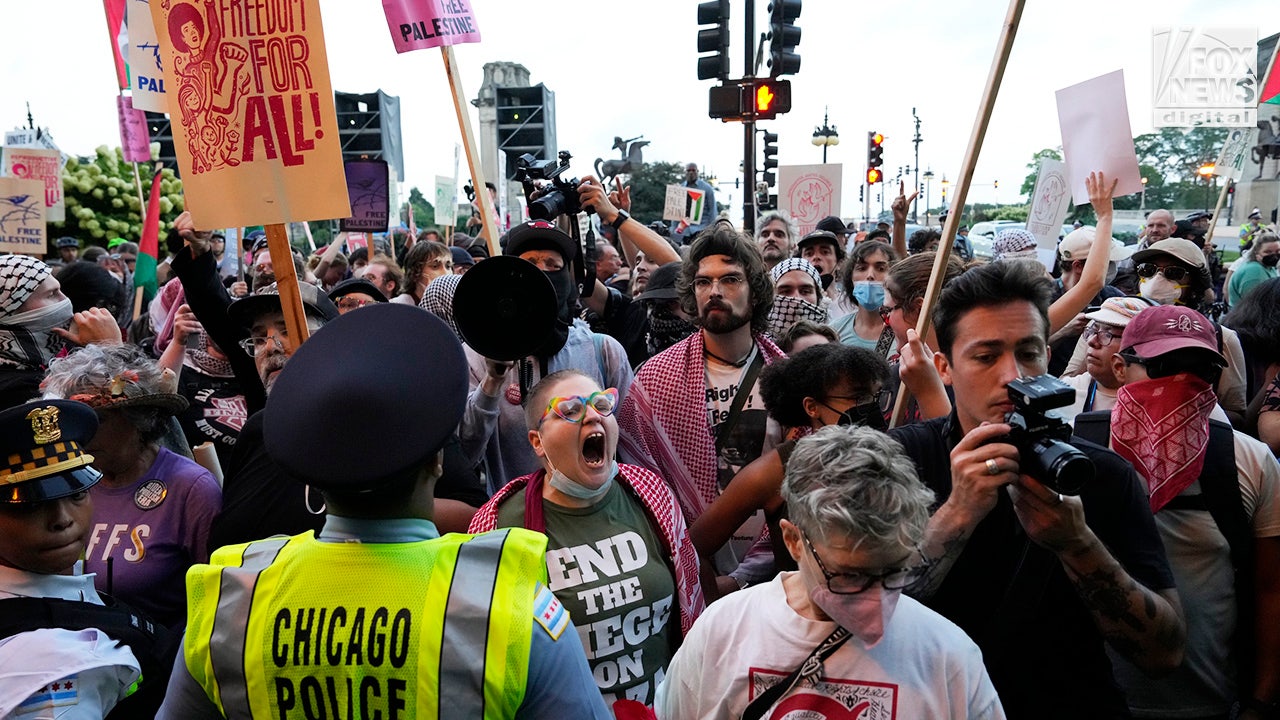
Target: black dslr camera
[
  {"x": 561, "y": 198},
  {"x": 1041, "y": 439}
]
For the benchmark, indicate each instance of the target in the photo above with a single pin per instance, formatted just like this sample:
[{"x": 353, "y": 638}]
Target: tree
[
  {"x": 102, "y": 197},
  {"x": 1029, "y": 184},
  {"x": 424, "y": 214},
  {"x": 1176, "y": 153},
  {"x": 649, "y": 188}
]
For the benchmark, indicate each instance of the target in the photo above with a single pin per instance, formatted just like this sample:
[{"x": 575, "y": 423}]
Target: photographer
[{"x": 1037, "y": 579}]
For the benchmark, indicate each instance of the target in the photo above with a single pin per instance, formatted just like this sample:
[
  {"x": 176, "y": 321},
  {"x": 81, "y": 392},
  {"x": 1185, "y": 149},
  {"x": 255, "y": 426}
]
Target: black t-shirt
[
  {"x": 259, "y": 500},
  {"x": 216, "y": 411},
  {"x": 627, "y": 320},
  {"x": 1041, "y": 647}
]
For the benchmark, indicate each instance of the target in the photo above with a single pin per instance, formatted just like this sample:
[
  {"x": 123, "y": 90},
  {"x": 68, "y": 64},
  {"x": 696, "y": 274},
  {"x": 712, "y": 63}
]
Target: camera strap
[
  {"x": 725, "y": 429},
  {"x": 808, "y": 670}
]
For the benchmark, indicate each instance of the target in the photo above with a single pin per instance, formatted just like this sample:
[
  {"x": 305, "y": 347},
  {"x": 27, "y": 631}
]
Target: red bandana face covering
[{"x": 1162, "y": 427}]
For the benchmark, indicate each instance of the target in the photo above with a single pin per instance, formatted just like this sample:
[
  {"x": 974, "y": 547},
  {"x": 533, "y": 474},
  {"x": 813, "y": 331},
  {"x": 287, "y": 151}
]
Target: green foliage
[
  {"x": 1176, "y": 154},
  {"x": 649, "y": 188},
  {"x": 1016, "y": 213},
  {"x": 424, "y": 215},
  {"x": 1029, "y": 184},
  {"x": 102, "y": 198}
]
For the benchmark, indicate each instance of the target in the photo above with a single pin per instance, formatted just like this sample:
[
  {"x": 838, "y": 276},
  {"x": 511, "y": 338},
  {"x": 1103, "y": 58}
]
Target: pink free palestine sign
[{"x": 420, "y": 24}]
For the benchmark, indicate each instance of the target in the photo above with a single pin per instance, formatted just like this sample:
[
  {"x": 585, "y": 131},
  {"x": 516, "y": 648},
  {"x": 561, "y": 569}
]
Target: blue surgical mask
[
  {"x": 869, "y": 294},
  {"x": 574, "y": 489}
]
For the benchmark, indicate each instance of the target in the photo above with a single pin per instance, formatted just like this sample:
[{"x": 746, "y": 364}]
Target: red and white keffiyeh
[{"x": 1162, "y": 427}]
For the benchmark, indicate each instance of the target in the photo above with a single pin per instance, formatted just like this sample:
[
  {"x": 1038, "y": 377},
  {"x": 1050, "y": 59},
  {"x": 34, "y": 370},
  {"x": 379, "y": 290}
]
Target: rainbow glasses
[{"x": 573, "y": 408}]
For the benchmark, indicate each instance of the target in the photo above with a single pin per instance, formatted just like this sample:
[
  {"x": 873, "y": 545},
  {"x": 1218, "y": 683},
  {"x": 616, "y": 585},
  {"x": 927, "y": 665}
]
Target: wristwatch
[{"x": 622, "y": 217}]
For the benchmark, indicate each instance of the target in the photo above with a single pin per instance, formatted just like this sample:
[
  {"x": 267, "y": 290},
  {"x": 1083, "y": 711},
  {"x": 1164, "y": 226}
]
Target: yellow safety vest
[{"x": 298, "y": 628}]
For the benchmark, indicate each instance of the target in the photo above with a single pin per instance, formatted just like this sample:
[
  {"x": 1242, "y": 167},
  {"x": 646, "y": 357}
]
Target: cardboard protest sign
[
  {"x": 146, "y": 69},
  {"x": 368, "y": 190},
  {"x": 1094, "y": 119},
  {"x": 357, "y": 240},
  {"x": 22, "y": 223},
  {"x": 1049, "y": 202},
  {"x": 134, "y": 139},
  {"x": 256, "y": 134},
  {"x": 421, "y": 24},
  {"x": 1230, "y": 164},
  {"x": 446, "y": 201},
  {"x": 23, "y": 137},
  {"x": 809, "y": 193},
  {"x": 683, "y": 204},
  {"x": 38, "y": 164}
]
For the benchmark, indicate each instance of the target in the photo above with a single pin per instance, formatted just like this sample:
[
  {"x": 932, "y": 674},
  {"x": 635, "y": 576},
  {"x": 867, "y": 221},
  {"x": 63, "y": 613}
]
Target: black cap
[
  {"x": 256, "y": 240},
  {"x": 1198, "y": 215},
  {"x": 68, "y": 242},
  {"x": 539, "y": 235},
  {"x": 834, "y": 225},
  {"x": 662, "y": 283},
  {"x": 356, "y": 285},
  {"x": 245, "y": 310},
  {"x": 44, "y": 444},
  {"x": 461, "y": 257},
  {"x": 369, "y": 399},
  {"x": 818, "y": 236}
]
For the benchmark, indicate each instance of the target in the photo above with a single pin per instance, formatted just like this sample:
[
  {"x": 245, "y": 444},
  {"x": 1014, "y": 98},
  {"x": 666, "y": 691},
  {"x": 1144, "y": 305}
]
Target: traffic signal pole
[{"x": 750, "y": 200}]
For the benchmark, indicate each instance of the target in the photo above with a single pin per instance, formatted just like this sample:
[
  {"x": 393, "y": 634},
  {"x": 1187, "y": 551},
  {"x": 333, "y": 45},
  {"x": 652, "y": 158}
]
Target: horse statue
[
  {"x": 631, "y": 160},
  {"x": 1268, "y": 146}
]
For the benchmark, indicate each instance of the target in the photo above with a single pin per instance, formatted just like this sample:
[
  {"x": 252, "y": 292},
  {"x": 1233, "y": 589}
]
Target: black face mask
[
  {"x": 826, "y": 281},
  {"x": 866, "y": 415},
  {"x": 566, "y": 298},
  {"x": 1270, "y": 260}
]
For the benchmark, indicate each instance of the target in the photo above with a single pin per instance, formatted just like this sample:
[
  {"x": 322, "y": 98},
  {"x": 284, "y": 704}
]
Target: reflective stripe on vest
[{"x": 457, "y": 646}]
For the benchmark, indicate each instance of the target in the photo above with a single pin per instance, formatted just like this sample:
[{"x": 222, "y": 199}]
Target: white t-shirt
[{"x": 924, "y": 667}]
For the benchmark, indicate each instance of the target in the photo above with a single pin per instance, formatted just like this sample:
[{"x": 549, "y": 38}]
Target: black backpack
[{"x": 154, "y": 645}]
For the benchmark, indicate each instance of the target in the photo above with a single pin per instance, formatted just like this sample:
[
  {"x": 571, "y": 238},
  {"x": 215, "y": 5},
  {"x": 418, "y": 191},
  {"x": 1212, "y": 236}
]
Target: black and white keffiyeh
[{"x": 20, "y": 275}]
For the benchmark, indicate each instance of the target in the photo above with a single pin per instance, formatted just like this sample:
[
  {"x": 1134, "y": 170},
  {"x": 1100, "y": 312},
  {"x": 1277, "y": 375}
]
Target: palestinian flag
[{"x": 144, "y": 272}]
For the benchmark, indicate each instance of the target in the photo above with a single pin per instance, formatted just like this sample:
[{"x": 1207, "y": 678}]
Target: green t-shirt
[
  {"x": 1243, "y": 280},
  {"x": 607, "y": 566}
]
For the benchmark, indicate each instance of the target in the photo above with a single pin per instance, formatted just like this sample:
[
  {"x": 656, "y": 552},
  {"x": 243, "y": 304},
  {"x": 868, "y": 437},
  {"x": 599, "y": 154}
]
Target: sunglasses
[
  {"x": 1172, "y": 273},
  {"x": 573, "y": 408}
]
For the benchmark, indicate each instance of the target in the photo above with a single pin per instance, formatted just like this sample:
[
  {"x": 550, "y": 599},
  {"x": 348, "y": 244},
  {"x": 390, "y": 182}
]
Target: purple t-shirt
[{"x": 153, "y": 530}]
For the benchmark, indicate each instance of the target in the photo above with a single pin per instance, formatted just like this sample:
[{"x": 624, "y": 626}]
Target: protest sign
[
  {"x": 809, "y": 193},
  {"x": 357, "y": 240},
  {"x": 420, "y": 24},
  {"x": 23, "y": 137},
  {"x": 146, "y": 69},
  {"x": 22, "y": 223},
  {"x": 119, "y": 35},
  {"x": 368, "y": 191},
  {"x": 683, "y": 204},
  {"x": 256, "y": 134},
  {"x": 1094, "y": 119},
  {"x": 38, "y": 164},
  {"x": 446, "y": 201},
  {"x": 134, "y": 140},
  {"x": 1230, "y": 164},
  {"x": 1049, "y": 202}
]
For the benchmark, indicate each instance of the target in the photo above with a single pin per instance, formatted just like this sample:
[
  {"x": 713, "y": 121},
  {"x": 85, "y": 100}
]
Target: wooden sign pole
[
  {"x": 949, "y": 228},
  {"x": 240, "y": 251},
  {"x": 295, "y": 316},
  {"x": 489, "y": 228}
]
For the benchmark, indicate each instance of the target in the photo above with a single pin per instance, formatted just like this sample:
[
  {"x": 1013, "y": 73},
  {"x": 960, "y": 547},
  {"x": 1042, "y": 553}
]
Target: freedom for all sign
[{"x": 252, "y": 107}]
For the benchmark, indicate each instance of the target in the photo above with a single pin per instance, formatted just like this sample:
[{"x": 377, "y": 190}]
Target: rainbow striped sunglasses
[{"x": 573, "y": 408}]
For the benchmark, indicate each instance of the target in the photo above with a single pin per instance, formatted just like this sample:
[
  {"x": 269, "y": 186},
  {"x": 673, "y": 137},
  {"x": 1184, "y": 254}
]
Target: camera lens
[
  {"x": 549, "y": 206},
  {"x": 1065, "y": 468}
]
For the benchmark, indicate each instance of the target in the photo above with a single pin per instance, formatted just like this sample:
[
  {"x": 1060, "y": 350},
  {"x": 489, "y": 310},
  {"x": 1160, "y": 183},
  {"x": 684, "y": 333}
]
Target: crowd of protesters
[{"x": 698, "y": 493}]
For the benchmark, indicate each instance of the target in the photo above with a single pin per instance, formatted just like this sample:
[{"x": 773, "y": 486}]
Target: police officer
[
  {"x": 378, "y": 615},
  {"x": 49, "y": 667}
]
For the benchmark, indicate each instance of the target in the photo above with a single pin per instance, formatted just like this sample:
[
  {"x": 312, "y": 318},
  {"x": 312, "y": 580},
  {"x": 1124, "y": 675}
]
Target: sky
[{"x": 629, "y": 69}]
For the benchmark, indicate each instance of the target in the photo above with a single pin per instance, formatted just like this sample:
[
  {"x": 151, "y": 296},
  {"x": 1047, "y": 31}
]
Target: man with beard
[
  {"x": 37, "y": 323},
  {"x": 776, "y": 238},
  {"x": 493, "y": 429},
  {"x": 694, "y": 413}
]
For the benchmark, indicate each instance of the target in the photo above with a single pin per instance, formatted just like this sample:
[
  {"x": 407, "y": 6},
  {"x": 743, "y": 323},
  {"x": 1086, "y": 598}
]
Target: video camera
[
  {"x": 1041, "y": 439},
  {"x": 561, "y": 198}
]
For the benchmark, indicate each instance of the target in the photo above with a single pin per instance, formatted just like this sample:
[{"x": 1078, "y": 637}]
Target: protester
[
  {"x": 797, "y": 295},
  {"x": 1257, "y": 323},
  {"x": 694, "y": 414},
  {"x": 354, "y": 293},
  {"x": 776, "y": 236},
  {"x": 924, "y": 240},
  {"x": 805, "y": 334},
  {"x": 68, "y": 249},
  {"x": 1039, "y": 579},
  {"x": 504, "y": 646},
  {"x": 425, "y": 262},
  {"x": 1260, "y": 266},
  {"x": 836, "y": 638},
  {"x": 88, "y": 285},
  {"x": 1096, "y": 387},
  {"x": 383, "y": 273},
  {"x": 825, "y": 251},
  {"x": 861, "y": 280},
  {"x": 1160, "y": 225},
  {"x": 438, "y": 300},
  {"x": 1073, "y": 257},
  {"x": 904, "y": 289},
  {"x": 153, "y": 509},
  {"x": 682, "y": 232},
  {"x": 590, "y": 507},
  {"x": 462, "y": 261}
]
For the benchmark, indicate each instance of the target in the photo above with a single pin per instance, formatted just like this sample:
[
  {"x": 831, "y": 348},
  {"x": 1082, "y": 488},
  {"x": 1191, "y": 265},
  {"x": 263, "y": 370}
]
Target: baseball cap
[
  {"x": 1184, "y": 250},
  {"x": 356, "y": 285},
  {"x": 1077, "y": 244},
  {"x": 818, "y": 236},
  {"x": 316, "y": 303},
  {"x": 1165, "y": 328},
  {"x": 834, "y": 225},
  {"x": 1119, "y": 311},
  {"x": 539, "y": 235},
  {"x": 662, "y": 283}
]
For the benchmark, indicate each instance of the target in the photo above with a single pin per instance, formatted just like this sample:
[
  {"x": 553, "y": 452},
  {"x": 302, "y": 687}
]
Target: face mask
[
  {"x": 574, "y": 489},
  {"x": 864, "y": 614},
  {"x": 43, "y": 319},
  {"x": 866, "y": 415},
  {"x": 1271, "y": 260},
  {"x": 869, "y": 294},
  {"x": 565, "y": 295},
  {"x": 1160, "y": 290},
  {"x": 827, "y": 280}
]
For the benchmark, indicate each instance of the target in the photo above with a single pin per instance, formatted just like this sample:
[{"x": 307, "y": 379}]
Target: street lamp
[
  {"x": 1142, "y": 205},
  {"x": 1206, "y": 172},
  {"x": 928, "y": 182},
  {"x": 825, "y": 136}
]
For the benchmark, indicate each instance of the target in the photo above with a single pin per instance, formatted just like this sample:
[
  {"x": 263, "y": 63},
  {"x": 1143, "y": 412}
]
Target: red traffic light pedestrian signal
[
  {"x": 767, "y": 98},
  {"x": 874, "y": 176}
]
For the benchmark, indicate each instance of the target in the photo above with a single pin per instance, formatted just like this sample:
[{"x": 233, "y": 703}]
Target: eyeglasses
[
  {"x": 1172, "y": 273},
  {"x": 255, "y": 345},
  {"x": 1105, "y": 336},
  {"x": 573, "y": 408},
  {"x": 856, "y": 582},
  {"x": 887, "y": 310},
  {"x": 729, "y": 282},
  {"x": 350, "y": 303}
]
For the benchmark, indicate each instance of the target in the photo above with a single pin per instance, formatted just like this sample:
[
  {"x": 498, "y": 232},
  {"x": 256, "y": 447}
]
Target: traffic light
[
  {"x": 875, "y": 150},
  {"x": 714, "y": 40},
  {"x": 783, "y": 37},
  {"x": 874, "y": 176},
  {"x": 768, "y": 98},
  {"x": 995, "y": 184},
  {"x": 770, "y": 157}
]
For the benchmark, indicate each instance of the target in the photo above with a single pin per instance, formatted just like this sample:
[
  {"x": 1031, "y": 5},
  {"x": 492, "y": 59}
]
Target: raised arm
[
  {"x": 1094, "y": 275},
  {"x": 899, "y": 206},
  {"x": 635, "y": 235},
  {"x": 755, "y": 487}
]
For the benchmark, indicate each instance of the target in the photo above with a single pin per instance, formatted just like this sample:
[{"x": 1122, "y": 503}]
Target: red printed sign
[
  {"x": 252, "y": 107},
  {"x": 420, "y": 24}
]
